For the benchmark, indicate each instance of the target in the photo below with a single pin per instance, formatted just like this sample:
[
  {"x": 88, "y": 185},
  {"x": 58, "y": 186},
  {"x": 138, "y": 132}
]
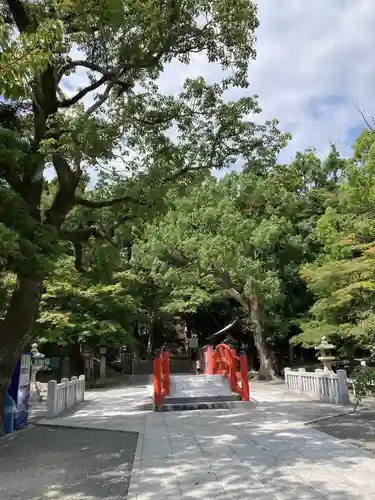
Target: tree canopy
[
  {"x": 342, "y": 277},
  {"x": 132, "y": 227},
  {"x": 81, "y": 90}
]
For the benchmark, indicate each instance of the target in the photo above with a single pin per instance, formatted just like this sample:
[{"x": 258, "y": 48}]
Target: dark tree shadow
[
  {"x": 262, "y": 450},
  {"x": 60, "y": 462}
]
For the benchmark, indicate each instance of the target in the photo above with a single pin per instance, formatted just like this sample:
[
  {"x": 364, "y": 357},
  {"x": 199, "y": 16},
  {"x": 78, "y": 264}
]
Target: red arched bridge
[{"x": 223, "y": 384}]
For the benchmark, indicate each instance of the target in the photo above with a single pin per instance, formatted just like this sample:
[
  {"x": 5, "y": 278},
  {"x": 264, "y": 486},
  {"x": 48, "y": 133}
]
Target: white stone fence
[
  {"x": 65, "y": 395},
  {"x": 322, "y": 385}
]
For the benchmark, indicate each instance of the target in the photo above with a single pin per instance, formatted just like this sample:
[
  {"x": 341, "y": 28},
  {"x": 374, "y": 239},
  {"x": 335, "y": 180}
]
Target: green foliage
[
  {"x": 245, "y": 234},
  {"x": 158, "y": 236},
  {"x": 363, "y": 384},
  {"x": 76, "y": 309},
  {"x": 123, "y": 46},
  {"x": 342, "y": 277},
  {"x": 24, "y": 56}
]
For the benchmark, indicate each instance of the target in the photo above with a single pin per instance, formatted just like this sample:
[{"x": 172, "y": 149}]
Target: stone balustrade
[
  {"x": 64, "y": 395},
  {"x": 322, "y": 385}
]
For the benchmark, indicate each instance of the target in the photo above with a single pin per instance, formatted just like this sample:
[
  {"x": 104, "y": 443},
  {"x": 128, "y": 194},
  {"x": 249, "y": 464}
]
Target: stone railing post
[
  {"x": 81, "y": 380},
  {"x": 287, "y": 371},
  {"x": 75, "y": 380},
  {"x": 64, "y": 395},
  {"x": 65, "y": 382},
  {"x": 343, "y": 388},
  {"x": 323, "y": 385},
  {"x": 51, "y": 398},
  {"x": 301, "y": 379}
]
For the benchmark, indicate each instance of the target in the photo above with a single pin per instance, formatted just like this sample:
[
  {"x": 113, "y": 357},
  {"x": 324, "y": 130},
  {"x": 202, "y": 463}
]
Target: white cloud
[{"x": 314, "y": 64}]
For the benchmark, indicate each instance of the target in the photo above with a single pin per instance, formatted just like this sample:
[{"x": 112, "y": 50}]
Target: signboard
[
  {"x": 193, "y": 343},
  {"x": 25, "y": 370},
  {"x": 86, "y": 354},
  {"x": 19, "y": 390}
]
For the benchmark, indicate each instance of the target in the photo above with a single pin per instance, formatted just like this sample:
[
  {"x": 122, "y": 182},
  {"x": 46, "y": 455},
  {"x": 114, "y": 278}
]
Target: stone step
[
  {"x": 199, "y": 386},
  {"x": 199, "y": 392},
  {"x": 206, "y": 398},
  {"x": 202, "y": 405}
]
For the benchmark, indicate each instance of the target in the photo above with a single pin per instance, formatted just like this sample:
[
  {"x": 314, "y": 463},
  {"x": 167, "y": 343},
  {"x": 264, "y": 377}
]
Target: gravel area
[
  {"x": 62, "y": 463},
  {"x": 357, "y": 428}
]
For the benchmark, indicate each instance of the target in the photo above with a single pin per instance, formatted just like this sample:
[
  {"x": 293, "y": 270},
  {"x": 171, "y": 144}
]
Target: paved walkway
[
  {"x": 61, "y": 463},
  {"x": 260, "y": 451},
  {"x": 199, "y": 387}
]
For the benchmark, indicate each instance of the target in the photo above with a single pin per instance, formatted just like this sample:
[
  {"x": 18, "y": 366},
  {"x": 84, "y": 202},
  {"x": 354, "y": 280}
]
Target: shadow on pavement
[
  {"x": 266, "y": 453},
  {"x": 356, "y": 428},
  {"x": 263, "y": 452},
  {"x": 65, "y": 463}
]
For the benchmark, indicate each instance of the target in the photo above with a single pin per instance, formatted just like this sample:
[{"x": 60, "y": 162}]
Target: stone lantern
[
  {"x": 325, "y": 356},
  {"x": 38, "y": 360}
]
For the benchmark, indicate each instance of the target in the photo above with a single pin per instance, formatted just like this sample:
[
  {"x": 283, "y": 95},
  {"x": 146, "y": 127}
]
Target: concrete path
[
  {"x": 199, "y": 387},
  {"x": 260, "y": 451},
  {"x": 61, "y": 463},
  {"x": 356, "y": 428}
]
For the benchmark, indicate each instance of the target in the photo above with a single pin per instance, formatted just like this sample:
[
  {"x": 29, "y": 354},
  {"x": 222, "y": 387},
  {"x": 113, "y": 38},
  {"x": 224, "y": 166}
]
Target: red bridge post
[
  {"x": 157, "y": 382},
  {"x": 244, "y": 377}
]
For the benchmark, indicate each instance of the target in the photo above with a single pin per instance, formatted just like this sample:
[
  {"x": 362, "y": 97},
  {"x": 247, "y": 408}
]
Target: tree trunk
[
  {"x": 267, "y": 364},
  {"x": 15, "y": 329}
]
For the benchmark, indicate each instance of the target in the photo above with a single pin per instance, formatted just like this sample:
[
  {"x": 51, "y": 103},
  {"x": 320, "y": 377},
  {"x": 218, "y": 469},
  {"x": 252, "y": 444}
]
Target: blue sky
[{"x": 314, "y": 67}]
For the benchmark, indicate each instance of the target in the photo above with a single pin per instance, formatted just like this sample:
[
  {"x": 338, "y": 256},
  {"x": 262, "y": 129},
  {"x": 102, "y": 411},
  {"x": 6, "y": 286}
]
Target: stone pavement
[
  {"x": 260, "y": 451},
  {"x": 357, "y": 428},
  {"x": 61, "y": 463},
  {"x": 199, "y": 387}
]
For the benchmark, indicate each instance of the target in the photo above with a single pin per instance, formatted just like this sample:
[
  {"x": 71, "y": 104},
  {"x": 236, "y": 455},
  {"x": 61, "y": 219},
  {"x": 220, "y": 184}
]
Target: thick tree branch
[
  {"x": 78, "y": 237},
  {"x": 64, "y": 199},
  {"x": 123, "y": 219},
  {"x": 101, "y": 99},
  {"x": 150, "y": 60},
  {"x": 108, "y": 77},
  {"x": 18, "y": 11},
  {"x": 109, "y": 202},
  {"x": 73, "y": 100},
  {"x": 85, "y": 64},
  {"x": 8, "y": 173}
]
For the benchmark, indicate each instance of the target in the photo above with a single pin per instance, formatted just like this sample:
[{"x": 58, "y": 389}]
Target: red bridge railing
[
  {"x": 161, "y": 377},
  {"x": 224, "y": 360}
]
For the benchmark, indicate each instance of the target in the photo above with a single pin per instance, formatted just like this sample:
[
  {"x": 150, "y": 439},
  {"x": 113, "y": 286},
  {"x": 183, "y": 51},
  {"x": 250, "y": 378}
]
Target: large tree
[
  {"x": 51, "y": 118},
  {"x": 342, "y": 277},
  {"x": 244, "y": 237}
]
